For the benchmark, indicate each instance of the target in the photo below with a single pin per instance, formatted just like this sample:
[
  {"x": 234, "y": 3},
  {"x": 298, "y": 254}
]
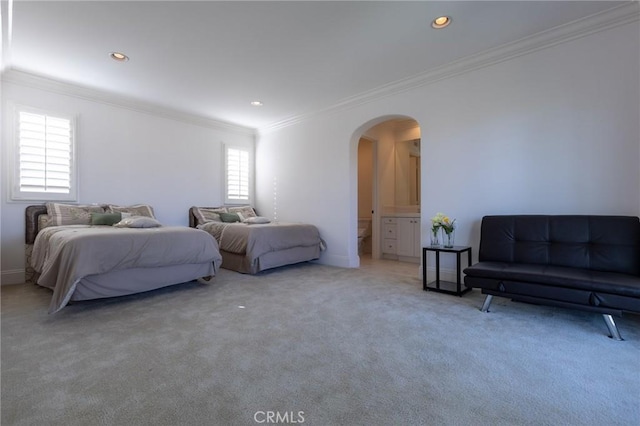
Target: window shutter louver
[
  {"x": 237, "y": 174},
  {"x": 44, "y": 158}
]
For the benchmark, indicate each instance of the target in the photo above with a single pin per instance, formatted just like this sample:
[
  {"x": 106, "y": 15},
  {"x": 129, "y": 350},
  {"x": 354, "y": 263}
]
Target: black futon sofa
[{"x": 585, "y": 262}]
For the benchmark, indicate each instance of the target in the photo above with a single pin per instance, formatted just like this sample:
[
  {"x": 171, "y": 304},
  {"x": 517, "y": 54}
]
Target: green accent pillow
[
  {"x": 105, "y": 218},
  {"x": 229, "y": 217}
]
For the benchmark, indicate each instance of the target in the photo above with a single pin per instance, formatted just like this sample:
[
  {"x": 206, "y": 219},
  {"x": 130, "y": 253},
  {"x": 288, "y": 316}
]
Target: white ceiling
[{"x": 211, "y": 59}]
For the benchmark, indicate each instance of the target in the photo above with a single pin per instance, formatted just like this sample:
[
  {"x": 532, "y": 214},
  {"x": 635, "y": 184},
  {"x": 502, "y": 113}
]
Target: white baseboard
[
  {"x": 339, "y": 261},
  {"x": 445, "y": 274},
  {"x": 12, "y": 276}
]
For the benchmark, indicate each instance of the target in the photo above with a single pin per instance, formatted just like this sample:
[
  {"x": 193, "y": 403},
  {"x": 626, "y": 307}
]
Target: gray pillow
[
  {"x": 204, "y": 214},
  {"x": 71, "y": 214},
  {"x": 105, "y": 218},
  {"x": 137, "y": 210},
  {"x": 229, "y": 217},
  {"x": 244, "y": 211}
]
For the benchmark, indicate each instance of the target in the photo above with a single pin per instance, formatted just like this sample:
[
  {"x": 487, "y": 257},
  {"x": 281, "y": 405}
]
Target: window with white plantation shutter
[
  {"x": 238, "y": 175},
  {"x": 45, "y": 166}
]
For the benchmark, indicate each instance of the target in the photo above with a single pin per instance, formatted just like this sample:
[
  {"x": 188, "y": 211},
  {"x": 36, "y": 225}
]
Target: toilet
[{"x": 364, "y": 231}]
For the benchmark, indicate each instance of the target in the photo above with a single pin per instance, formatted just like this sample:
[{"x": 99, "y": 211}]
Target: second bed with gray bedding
[{"x": 252, "y": 248}]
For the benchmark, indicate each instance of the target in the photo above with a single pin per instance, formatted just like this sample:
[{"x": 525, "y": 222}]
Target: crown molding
[
  {"x": 611, "y": 18},
  {"x": 617, "y": 16},
  {"x": 24, "y": 78}
]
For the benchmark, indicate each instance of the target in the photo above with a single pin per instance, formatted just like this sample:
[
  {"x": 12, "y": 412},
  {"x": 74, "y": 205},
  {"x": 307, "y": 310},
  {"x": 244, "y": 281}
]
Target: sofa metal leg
[
  {"x": 611, "y": 325},
  {"x": 487, "y": 302}
]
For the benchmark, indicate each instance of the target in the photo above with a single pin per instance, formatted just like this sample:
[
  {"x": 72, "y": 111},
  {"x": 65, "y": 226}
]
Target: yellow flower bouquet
[{"x": 442, "y": 221}]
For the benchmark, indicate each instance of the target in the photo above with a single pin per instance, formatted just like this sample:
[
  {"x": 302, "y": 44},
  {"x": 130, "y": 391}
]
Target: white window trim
[
  {"x": 15, "y": 194},
  {"x": 249, "y": 150}
]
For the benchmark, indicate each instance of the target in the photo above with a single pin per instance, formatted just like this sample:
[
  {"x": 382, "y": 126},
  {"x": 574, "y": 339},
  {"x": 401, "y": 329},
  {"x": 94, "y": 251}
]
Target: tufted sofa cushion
[{"x": 596, "y": 243}]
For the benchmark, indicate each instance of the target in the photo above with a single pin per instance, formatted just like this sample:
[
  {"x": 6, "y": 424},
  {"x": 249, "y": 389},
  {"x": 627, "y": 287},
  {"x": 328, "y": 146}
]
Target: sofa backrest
[{"x": 602, "y": 243}]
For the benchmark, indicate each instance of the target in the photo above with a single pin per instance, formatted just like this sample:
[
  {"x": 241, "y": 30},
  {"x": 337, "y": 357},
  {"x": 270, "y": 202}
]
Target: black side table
[{"x": 439, "y": 286}]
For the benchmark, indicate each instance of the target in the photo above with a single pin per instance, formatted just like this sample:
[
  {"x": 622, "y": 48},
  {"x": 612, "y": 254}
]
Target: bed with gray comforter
[
  {"x": 252, "y": 248},
  {"x": 82, "y": 262}
]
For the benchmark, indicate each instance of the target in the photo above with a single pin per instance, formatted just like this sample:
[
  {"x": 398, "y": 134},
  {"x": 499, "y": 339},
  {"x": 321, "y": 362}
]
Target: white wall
[
  {"x": 125, "y": 157},
  {"x": 554, "y": 131}
]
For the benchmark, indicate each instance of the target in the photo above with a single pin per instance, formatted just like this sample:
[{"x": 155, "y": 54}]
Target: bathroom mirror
[{"x": 407, "y": 173}]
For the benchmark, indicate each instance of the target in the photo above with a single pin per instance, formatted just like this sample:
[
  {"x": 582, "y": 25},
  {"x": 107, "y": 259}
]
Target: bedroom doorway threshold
[{"x": 392, "y": 267}]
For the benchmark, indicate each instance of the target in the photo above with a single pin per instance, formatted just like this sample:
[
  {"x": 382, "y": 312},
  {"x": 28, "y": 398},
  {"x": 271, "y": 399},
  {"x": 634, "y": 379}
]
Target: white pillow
[
  {"x": 256, "y": 219},
  {"x": 138, "y": 222}
]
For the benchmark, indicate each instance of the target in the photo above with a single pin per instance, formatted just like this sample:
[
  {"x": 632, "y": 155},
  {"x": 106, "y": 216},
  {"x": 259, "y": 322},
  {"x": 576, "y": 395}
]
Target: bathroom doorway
[
  {"x": 389, "y": 190},
  {"x": 366, "y": 195}
]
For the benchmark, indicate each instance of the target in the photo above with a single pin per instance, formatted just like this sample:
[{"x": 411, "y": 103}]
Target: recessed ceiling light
[
  {"x": 441, "y": 22},
  {"x": 120, "y": 57},
  {"x": 256, "y": 103}
]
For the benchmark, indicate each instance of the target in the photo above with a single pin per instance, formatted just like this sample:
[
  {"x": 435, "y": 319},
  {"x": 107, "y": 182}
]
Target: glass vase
[
  {"x": 435, "y": 236},
  {"x": 448, "y": 238}
]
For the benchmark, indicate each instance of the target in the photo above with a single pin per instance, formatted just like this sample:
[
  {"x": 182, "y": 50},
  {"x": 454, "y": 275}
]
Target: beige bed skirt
[
  {"x": 240, "y": 263},
  {"x": 137, "y": 280}
]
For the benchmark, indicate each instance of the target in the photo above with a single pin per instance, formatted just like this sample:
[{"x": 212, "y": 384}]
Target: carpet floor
[{"x": 316, "y": 345}]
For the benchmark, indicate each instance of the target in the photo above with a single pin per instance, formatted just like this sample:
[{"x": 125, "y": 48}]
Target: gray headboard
[
  {"x": 32, "y": 213},
  {"x": 193, "y": 219}
]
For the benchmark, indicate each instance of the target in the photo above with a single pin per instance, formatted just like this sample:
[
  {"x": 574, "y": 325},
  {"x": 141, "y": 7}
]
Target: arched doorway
[{"x": 388, "y": 150}]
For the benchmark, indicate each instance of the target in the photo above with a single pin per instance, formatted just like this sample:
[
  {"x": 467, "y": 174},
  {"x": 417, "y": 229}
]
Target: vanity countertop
[{"x": 391, "y": 214}]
